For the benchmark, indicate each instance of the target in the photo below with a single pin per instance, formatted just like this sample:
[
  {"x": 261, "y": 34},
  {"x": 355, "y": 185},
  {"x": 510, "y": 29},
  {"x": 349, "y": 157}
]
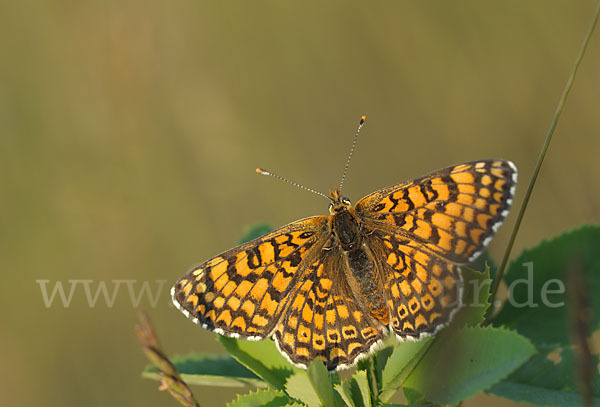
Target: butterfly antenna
[
  {"x": 360, "y": 124},
  {"x": 260, "y": 171}
]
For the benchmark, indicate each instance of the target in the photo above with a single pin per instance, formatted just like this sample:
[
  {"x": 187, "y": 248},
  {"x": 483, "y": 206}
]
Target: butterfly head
[{"x": 338, "y": 203}]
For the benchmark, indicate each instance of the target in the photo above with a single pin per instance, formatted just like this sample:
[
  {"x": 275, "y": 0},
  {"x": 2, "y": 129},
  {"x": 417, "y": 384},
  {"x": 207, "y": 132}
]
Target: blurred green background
[{"x": 130, "y": 130}]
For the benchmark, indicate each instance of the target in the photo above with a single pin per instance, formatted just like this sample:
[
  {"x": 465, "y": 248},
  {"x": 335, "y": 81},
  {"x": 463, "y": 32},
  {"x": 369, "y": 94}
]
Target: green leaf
[
  {"x": 400, "y": 364},
  {"x": 254, "y": 232},
  {"x": 261, "y": 357},
  {"x": 413, "y": 397},
  {"x": 367, "y": 365},
  {"x": 315, "y": 386},
  {"x": 346, "y": 392},
  {"x": 380, "y": 359},
  {"x": 356, "y": 391},
  {"x": 323, "y": 383},
  {"x": 542, "y": 381},
  {"x": 476, "y": 294},
  {"x": 543, "y": 324},
  {"x": 467, "y": 361},
  {"x": 300, "y": 387},
  {"x": 360, "y": 377},
  {"x": 267, "y": 398},
  {"x": 210, "y": 369},
  {"x": 484, "y": 261}
]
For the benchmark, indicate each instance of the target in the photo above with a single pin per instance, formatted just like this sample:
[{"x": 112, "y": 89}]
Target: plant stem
[{"x": 540, "y": 160}]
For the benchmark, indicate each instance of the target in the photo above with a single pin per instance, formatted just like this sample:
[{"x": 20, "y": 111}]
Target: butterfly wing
[
  {"x": 422, "y": 290},
  {"x": 243, "y": 291},
  {"x": 324, "y": 320},
  {"x": 453, "y": 212},
  {"x": 422, "y": 230}
]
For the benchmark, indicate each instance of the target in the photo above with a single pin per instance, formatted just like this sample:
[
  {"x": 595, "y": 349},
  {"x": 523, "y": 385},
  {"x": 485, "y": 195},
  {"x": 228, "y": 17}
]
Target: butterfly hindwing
[
  {"x": 242, "y": 291},
  {"x": 325, "y": 319},
  {"x": 453, "y": 212},
  {"x": 422, "y": 289}
]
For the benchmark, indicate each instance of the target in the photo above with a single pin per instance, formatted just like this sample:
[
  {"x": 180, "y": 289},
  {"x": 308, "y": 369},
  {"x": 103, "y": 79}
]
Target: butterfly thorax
[
  {"x": 343, "y": 222},
  {"x": 345, "y": 227}
]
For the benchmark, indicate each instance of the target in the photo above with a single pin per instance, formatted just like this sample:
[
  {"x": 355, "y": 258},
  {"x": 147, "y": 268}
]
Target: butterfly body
[
  {"x": 349, "y": 236},
  {"x": 331, "y": 287}
]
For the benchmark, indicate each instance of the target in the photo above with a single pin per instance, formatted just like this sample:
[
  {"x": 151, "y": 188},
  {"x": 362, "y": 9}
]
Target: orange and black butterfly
[{"x": 331, "y": 287}]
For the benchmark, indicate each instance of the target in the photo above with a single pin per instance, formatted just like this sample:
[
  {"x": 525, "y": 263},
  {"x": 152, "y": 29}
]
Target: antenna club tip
[
  {"x": 362, "y": 119},
  {"x": 261, "y": 171}
]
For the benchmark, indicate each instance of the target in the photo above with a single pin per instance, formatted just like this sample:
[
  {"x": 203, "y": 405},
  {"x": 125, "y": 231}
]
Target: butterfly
[{"x": 332, "y": 287}]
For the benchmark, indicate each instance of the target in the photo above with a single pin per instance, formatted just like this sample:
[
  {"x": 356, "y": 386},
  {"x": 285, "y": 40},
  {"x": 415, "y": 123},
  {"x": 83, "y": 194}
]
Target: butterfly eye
[
  {"x": 330, "y": 206},
  {"x": 346, "y": 201}
]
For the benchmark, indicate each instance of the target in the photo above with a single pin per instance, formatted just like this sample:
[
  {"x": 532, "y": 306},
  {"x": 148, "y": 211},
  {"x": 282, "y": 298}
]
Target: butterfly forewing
[
  {"x": 453, "y": 212},
  {"x": 243, "y": 291}
]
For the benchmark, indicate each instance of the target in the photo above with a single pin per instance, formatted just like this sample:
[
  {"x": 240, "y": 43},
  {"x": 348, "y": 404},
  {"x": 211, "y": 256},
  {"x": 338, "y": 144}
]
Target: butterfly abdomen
[
  {"x": 364, "y": 271},
  {"x": 345, "y": 226}
]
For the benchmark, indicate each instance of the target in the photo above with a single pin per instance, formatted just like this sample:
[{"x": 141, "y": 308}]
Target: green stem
[{"x": 540, "y": 160}]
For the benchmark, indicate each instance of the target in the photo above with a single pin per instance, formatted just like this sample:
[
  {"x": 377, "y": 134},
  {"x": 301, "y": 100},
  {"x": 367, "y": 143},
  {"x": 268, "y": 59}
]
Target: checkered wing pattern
[
  {"x": 422, "y": 230},
  {"x": 453, "y": 212},
  {"x": 326, "y": 319},
  {"x": 422, "y": 290},
  {"x": 242, "y": 292}
]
